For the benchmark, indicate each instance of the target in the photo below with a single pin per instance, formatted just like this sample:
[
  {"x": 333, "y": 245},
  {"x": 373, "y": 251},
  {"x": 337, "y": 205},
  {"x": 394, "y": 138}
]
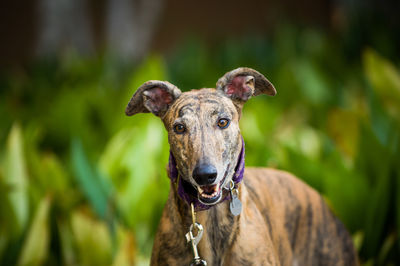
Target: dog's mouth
[{"x": 209, "y": 194}]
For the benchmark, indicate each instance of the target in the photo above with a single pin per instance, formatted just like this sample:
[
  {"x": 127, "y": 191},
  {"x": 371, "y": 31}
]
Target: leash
[
  {"x": 194, "y": 240},
  {"x": 235, "y": 204}
]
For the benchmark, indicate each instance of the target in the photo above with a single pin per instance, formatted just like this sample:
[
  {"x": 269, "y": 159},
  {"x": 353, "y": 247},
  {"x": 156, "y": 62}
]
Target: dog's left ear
[
  {"x": 242, "y": 83},
  {"x": 153, "y": 96}
]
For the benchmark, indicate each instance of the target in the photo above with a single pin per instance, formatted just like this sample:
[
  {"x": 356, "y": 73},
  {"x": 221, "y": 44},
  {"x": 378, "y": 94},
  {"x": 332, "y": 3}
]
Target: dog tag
[{"x": 235, "y": 205}]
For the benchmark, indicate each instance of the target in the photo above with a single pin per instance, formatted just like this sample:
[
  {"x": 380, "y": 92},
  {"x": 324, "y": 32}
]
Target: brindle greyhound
[{"x": 283, "y": 221}]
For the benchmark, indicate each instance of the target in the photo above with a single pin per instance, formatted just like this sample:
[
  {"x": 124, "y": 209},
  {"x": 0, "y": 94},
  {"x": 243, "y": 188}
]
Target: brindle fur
[{"x": 283, "y": 220}]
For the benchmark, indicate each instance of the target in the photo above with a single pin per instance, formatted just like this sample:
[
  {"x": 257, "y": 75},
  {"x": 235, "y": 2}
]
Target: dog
[{"x": 276, "y": 219}]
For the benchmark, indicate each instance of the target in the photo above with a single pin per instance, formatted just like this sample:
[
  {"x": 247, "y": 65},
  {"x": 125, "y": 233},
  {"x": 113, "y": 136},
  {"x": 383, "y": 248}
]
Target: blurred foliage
[{"x": 82, "y": 184}]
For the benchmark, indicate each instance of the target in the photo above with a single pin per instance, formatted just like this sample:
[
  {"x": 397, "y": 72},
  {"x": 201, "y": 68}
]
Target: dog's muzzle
[
  {"x": 205, "y": 196},
  {"x": 207, "y": 191}
]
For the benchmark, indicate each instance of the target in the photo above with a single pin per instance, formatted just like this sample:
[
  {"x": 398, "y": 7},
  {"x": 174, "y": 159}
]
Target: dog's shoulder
[
  {"x": 281, "y": 193},
  {"x": 279, "y": 183}
]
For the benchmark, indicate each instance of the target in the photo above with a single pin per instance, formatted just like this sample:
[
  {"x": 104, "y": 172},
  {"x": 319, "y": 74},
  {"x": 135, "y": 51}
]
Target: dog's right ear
[{"x": 153, "y": 96}]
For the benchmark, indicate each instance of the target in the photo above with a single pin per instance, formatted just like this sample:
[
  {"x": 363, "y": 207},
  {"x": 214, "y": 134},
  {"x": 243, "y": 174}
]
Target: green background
[{"x": 82, "y": 184}]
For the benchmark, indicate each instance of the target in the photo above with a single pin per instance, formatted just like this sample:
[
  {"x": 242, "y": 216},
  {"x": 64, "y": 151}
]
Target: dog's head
[{"x": 203, "y": 126}]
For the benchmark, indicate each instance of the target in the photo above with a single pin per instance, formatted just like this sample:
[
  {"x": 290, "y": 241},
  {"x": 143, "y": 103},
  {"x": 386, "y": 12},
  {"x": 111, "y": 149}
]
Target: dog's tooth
[{"x": 205, "y": 193}]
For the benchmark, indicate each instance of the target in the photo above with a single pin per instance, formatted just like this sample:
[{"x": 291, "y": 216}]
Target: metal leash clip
[{"x": 194, "y": 240}]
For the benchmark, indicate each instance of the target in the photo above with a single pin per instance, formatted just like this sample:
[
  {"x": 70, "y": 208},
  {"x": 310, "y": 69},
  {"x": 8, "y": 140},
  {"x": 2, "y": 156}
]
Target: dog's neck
[{"x": 220, "y": 227}]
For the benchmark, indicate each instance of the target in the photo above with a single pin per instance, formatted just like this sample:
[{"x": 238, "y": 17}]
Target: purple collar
[{"x": 184, "y": 187}]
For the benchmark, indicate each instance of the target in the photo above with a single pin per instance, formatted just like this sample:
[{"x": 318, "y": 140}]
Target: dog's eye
[
  {"x": 223, "y": 123},
  {"x": 179, "y": 129}
]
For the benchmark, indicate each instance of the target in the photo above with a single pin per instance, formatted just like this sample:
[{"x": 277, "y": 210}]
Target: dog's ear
[
  {"x": 242, "y": 83},
  {"x": 153, "y": 96}
]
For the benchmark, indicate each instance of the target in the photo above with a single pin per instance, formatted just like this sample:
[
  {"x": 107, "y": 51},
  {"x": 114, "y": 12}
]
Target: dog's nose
[{"x": 204, "y": 174}]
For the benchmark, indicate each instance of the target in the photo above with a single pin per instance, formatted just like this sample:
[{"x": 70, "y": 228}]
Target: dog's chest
[{"x": 220, "y": 228}]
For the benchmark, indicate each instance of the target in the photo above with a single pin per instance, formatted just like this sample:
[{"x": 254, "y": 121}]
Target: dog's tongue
[{"x": 209, "y": 189}]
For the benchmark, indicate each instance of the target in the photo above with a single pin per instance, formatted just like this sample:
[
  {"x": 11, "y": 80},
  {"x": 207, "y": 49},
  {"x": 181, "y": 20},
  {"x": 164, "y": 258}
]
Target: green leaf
[
  {"x": 92, "y": 239},
  {"x": 54, "y": 178},
  {"x": 16, "y": 178},
  {"x": 125, "y": 255},
  {"x": 343, "y": 128},
  {"x": 385, "y": 80},
  {"x": 387, "y": 246},
  {"x": 35, "y": 247},
  {"x": 374, "y": 162},
  {"x": 89, "y": 180},
  {"x": 398, "y": 197},
  {"x": 7, "y": 221},
  {"x": 67, "y": 243}
]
